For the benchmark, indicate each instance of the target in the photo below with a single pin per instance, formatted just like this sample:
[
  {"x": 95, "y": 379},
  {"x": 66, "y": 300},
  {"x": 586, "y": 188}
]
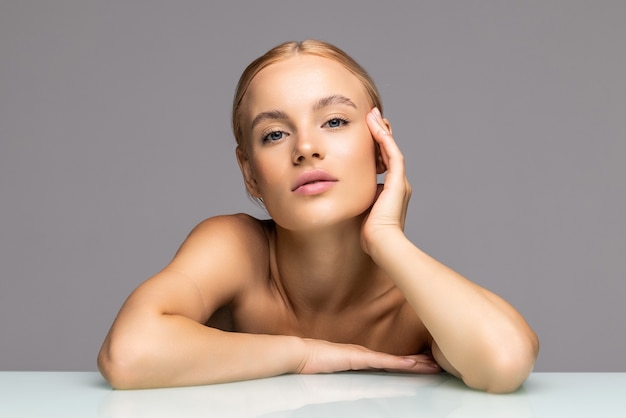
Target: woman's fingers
[
  {"x": 424, "y": 364},
  {"x": 419, "y": 363},
  {"x": 390, "y": 153},
  {"x": 381, "y": 132},
  {"x": 327, "y": 357}
]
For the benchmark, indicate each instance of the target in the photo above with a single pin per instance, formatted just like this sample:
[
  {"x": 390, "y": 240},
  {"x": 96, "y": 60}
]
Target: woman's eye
[
  {"x": 336, "y": 123},
  {"x": 273, "y": 136}
]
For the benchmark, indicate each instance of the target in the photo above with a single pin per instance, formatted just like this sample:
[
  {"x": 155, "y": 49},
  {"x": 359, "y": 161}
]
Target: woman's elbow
[
  {"x": 121, "y": 367},
  {"x": 510, "y": 367},
  {"x": 509, "y": 376}
]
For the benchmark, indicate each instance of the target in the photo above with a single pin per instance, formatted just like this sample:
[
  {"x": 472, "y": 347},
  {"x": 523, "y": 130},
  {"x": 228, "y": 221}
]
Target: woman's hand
[
  {"x": 388, "y": 212},
  {"x": 327, "y": 357}
]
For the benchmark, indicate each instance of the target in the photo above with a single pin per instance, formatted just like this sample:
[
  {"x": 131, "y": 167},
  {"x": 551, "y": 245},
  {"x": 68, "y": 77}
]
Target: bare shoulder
[
  {"x": 212, "y": 267},
  {"x": 236, "y": 229},
  {"x": 229, "y": 243}
]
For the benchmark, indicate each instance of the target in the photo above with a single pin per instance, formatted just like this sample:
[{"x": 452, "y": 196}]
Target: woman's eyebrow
[
  {"x": 272, "y": 114},
  {"x": 333, "y": 100}
]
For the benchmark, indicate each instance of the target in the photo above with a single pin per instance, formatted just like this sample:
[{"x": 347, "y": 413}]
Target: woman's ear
[{"x": 246, "y": 171}]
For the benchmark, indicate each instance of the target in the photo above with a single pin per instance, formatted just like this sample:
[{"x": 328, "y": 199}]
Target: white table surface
[{"x": 86, "y": 394}]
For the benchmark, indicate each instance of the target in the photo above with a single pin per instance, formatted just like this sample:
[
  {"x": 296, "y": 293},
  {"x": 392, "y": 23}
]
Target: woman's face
[{"x": 310, "y": 155}]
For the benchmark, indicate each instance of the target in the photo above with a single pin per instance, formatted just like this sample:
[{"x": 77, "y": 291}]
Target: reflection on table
[{"x": 86, "y": 394}]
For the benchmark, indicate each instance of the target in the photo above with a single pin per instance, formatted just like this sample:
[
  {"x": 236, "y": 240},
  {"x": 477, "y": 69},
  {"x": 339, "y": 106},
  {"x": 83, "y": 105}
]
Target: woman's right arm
[{"x": 159, "y": 338}]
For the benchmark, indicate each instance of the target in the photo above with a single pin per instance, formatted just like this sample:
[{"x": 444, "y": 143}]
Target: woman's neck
[{"x": 323, "y": 270}]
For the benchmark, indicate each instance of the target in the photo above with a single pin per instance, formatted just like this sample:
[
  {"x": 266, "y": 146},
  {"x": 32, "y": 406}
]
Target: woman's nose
[{"x": 308, "y": 146}]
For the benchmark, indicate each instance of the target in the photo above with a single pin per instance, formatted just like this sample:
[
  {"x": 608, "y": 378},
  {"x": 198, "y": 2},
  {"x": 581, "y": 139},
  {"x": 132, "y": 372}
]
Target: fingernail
[{"x": 377, "y": 112}]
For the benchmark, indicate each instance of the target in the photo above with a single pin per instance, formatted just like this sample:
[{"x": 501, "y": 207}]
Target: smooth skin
[{"x": 331, "y": 283}]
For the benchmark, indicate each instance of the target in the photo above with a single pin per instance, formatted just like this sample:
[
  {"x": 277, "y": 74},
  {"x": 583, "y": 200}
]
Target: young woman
[{"x": 330, "y": 282}]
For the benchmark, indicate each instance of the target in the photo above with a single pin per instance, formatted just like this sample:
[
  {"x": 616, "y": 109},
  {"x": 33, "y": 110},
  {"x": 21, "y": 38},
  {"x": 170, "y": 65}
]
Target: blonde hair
[{"x": 288, "y": 50}]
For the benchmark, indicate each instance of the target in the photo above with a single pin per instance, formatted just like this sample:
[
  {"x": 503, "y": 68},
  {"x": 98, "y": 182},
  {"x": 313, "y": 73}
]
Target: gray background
[{"x": 115, "y": 141}]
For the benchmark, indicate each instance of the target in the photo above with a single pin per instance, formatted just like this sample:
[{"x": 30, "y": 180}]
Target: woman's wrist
[{"x": 385, "y": 244}]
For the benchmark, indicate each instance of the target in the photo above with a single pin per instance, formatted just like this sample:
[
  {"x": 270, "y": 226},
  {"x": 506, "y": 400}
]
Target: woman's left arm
[{"x": 477, "y": 335}]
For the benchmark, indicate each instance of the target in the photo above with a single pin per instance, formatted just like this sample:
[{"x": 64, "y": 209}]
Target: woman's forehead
[{"x": 303, "y": 77}]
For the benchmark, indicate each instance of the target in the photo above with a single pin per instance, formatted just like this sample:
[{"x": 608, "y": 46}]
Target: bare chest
[{"x": 387, "y": 323}]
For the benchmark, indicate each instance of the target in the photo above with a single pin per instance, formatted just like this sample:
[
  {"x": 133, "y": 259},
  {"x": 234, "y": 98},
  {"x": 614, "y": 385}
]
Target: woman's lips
[
  {"x": 314, "y": 188},
  {"x": 313, "y": 182}
]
